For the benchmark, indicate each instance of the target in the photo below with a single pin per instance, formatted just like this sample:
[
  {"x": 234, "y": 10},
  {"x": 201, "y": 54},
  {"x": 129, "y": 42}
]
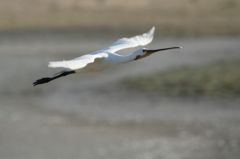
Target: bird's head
[{"x": 144, "y": 52}]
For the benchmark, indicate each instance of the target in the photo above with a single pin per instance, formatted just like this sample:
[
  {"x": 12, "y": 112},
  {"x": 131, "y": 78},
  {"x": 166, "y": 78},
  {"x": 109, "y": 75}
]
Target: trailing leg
[{"x": 48, "y": 79}]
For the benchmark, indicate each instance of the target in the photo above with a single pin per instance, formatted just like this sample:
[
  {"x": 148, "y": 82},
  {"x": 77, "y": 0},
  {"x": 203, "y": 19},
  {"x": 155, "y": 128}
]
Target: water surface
[{"x": 84, "y": 116}]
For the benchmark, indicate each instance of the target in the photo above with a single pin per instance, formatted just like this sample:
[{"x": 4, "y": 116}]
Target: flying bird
[{"x": 106, "y": 57}]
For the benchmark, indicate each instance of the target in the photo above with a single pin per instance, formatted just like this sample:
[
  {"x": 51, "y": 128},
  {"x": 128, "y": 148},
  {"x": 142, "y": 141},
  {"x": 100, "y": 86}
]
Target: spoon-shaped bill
[{"x": 163, "y": 49}]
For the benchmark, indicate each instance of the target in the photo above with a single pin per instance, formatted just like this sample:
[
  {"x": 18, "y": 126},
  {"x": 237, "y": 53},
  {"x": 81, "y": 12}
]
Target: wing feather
[
  {"x": 139, "y": 40},
  {"x": 123, "y": 43},
  {"x": 79, "y": 62}
]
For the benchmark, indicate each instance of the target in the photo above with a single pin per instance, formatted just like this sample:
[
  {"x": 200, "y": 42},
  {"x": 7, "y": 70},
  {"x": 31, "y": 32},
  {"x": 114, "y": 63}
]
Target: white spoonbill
[{"x": 103, "y": 58}]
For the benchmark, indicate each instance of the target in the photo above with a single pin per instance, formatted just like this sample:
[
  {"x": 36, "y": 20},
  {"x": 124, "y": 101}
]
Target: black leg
[{"x": 48, "y": 79}]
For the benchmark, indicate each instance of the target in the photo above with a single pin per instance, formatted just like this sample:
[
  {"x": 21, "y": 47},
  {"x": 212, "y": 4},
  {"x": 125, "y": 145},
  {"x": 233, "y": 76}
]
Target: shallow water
[{"x": 84, "y": 116}]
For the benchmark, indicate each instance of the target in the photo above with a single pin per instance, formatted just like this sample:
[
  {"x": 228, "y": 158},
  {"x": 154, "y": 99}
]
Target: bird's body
[{"x": 104, "y": 58}]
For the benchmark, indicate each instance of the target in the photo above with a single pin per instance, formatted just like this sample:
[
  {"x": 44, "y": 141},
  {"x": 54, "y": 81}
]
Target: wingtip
[
  {"x": 152, "y": 30},
  {"x": 51, "y": 64}
]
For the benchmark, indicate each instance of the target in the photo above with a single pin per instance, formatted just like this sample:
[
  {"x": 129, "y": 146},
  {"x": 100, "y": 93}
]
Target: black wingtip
[{"x": 42, "y": 81}]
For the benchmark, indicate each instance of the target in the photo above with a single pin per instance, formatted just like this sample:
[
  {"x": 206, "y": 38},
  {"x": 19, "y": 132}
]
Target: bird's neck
[{"x": 129, "y": 57}]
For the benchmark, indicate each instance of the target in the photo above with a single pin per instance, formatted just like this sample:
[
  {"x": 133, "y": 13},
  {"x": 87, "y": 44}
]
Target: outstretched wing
[
  {"x": 139, "y": 40},
  {"x": 123, "y": 43},
  {"x": 79, "y": 62}
]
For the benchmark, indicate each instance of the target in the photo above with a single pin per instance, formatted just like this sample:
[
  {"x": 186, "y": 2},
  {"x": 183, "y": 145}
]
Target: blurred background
[{"x": 180, "y": 104}]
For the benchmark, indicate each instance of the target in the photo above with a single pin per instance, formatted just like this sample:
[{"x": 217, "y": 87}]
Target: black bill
[{"x": 163, "y": 49}]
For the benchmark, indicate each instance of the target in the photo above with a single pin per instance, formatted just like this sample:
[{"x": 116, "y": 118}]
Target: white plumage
[
  {"x": 105, "y": 57},
  {"x": 118, "y": 45},
  {"x": 79, "y": 62},
  {"x": 139, "y": 40}
]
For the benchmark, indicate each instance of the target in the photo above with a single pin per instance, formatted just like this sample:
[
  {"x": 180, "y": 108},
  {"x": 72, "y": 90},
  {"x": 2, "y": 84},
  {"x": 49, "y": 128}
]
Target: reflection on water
[{"x": 85, "y": 116}]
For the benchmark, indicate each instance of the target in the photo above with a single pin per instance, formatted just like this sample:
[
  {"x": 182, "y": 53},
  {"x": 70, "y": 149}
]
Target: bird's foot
[{"x": 42, "y": 81}]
